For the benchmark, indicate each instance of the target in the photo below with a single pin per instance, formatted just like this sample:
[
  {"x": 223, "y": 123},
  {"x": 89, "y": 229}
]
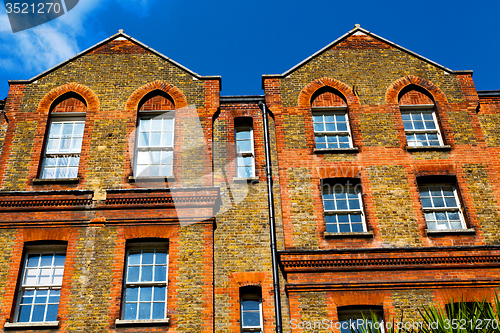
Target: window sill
[
  {"x": 160, "y": 179},
  {"x": 365, "y": 234},
  {"x": 39, "y": 181},
  {"x": 32, "y": 325},
  {"x": 352, "y": 150},
  {"x": 246, "y": 179},
  {"x": 149, "y": 322},
  {"x": 428, "y": 148},
  {"x": 450, "y": 232}
]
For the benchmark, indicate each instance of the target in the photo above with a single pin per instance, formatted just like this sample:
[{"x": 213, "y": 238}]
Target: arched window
[
  {"x": 155, "y": 136},
  {"x": 419, "y": 118},
  {"x": 330, "y": 120},
  {"x": 64, "y": 137}
]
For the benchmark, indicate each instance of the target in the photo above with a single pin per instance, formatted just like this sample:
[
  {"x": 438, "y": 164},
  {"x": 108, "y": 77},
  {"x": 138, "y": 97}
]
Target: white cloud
[{"x": 34, "y": 50}]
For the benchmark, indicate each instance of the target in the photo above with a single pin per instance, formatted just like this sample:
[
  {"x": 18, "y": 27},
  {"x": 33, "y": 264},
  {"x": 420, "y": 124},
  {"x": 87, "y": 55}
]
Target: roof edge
[
  {"x": 115, "y": 36},
  {"x": 242, "y": 99},
  {"x": 488, "y": 93},
  {"x": 357, "y": 28}
]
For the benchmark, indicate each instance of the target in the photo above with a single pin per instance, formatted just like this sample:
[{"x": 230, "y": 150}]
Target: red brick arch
[
  {"x": 177, "y": 95},
  {"x": 308, "y": 91},
  {"x": 392, "y": 93},
  {"x": 87, "y": 94}
]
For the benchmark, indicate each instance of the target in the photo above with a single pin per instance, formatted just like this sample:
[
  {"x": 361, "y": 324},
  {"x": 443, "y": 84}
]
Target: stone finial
[
  {"x": 120, "y": 31},
  {"x": 357, "y": 26}
]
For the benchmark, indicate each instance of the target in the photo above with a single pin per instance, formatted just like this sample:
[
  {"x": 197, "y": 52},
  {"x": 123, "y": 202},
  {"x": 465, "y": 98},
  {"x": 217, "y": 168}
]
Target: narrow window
[
  {"x": 251, "y": 309},
  {"x": 155, "y": 137},
  {"x": 343, "y": 206},
  {"x": 441, "y": 206},
  {"x": 361, "y": 319},
  {"x": 40, "y": 286},
  {"x": 145, "y": 290},
  {"x": 245, "y": 158},
  {"x": 330, "y": 121}
]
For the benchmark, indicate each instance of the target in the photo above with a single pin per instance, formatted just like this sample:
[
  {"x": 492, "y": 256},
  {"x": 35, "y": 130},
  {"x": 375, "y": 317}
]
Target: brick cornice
[
  {"x": 393, "y": 285},
  {"x": 406, "y": 259},
  {"x": 175, "y": 198}
]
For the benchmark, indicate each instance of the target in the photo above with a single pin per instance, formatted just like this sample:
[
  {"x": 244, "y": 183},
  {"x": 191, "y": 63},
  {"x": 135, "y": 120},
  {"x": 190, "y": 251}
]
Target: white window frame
[
  {"x": 76, "y": 118},
  {"x": 337, "y": 212},
  {"x": 23, "y": 286},
  {"x": 427, "y": 108},
  {"x": 250, "y": 153},
  {"x": 325, "y": 111},
  {"x": 251, "y": 296},
  {"x": 145, "y": 115},
  {"x": 155, "y": 246},
  {"x": 353, "y": 313},
  {"x": 446, "y": 209}
]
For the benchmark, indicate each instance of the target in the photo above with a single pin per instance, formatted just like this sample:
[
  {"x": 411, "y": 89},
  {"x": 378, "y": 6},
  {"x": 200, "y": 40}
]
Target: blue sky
[{"x": 241, "y": 40}]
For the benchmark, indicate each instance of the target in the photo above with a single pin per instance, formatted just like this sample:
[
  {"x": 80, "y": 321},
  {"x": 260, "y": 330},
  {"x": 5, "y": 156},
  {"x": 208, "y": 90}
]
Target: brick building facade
[{"x": 134, "y": 197}]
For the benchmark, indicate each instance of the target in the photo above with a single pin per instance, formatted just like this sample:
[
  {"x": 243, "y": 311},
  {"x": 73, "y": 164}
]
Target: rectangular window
[
  {"x": 343, "y": 207},
  {"x": 441, "y": 207},
  {"x": 251, "y": 309},
  {"x": 361, "y": 319},
  {"x": 62, "y": 152},
  {"x": 40, "y": 286},
  {"x": 155, "y": 145},
  {"x": 245, "y": 158},
  {"x": 421, "y": 127},
  {"x": 145, "y": 294},
  {"x": 331, "y": 128}
]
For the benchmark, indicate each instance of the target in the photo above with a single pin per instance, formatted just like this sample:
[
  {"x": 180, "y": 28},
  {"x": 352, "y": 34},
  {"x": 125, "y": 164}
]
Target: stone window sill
[
  {"x": 160, "y": 179},
  {"x": 39, "y": 181},
  {"x": 246, "y": 179},
  {"x": 366, "y": 234},
  {"x": 150, "y": 322},
  {"x": 352, "y": 150},
  {"x": 450, "y": 232},
  {"x": 32, "y": 325},
  {"x": 428, "y": 148}
]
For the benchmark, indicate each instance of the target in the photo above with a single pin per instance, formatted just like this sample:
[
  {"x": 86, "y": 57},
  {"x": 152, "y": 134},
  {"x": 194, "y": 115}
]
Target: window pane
[
  {"x": 251, "y": 319},
  {"x": 55, "y": 130},
  {"x": 250, "y": 305},
  {"x": 160, "y": 258},
  {"x": 133, "y": 274},
  {"x": 244, "y": 146},
  {"x": 24, "y": 313},
  {"x": 160, "y": 273},
  {"x": 146, "y": 294},
  {"x": 132, "y": 294},
  {"x": 344, "y": 228},
  {"x": 38, "y": 313},
  {"x": 159, "y": 294},
  {"x": 158, "y": 310},
  {"x": 147, "y": 258},
  {"x": 51, "y": 312},
  {"x": 131, "y": 311},
  {"x": 144, "y": 311}
]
